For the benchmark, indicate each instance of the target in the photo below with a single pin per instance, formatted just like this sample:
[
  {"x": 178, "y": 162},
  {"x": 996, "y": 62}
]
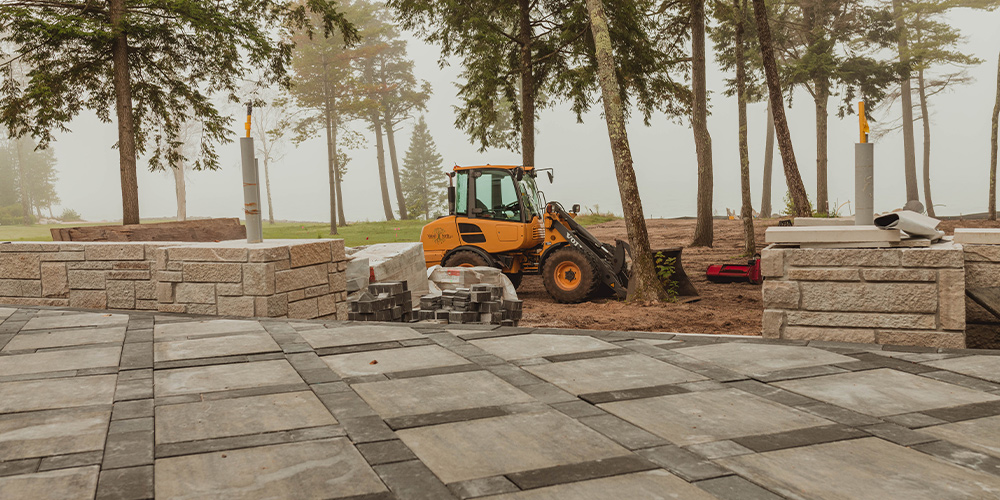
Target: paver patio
[{"x": 138, "y": 405}]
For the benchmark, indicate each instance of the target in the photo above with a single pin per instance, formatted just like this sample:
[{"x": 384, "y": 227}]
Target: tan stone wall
[
  {"x": 982, "y": 269},
  {"x": 278, "y": 278},
  {"x": 911, "y": 296}
]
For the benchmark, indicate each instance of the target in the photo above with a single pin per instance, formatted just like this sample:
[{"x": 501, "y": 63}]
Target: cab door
[{"x": 493, "y": 216}]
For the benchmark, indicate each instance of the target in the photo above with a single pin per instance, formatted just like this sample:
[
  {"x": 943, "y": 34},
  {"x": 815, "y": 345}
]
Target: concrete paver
[
  {"x": 981, "y": 434},
  {"x": 47, "y": 394},
  {"x": 759, "y": 359},
  {"x": 53, "y": 361},
  {"x": 59, "y": 484},
  {"x": 57, "y": 432},
  {"x": 537, "y": 346},
  {"x": 611, "y": 373},
  {"x": 439, "y": 393},
  {"x": 5, "y": 312},
  {"x": 175, "y": 331},
  {"x": 392, "y": 360},
  {"x": 76, "y": 321},
  {"x": 984, "y": 367},
  {"x": 224, "y": 377},
  {"x": 356, "y": 335},
  {"x": 66, "y": 338},
  {"x": 230, "y": 345},
  {"x": 651, "y": 485}
]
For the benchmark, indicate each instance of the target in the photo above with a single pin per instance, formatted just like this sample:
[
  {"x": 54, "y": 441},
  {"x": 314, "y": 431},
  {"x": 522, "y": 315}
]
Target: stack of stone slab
[
  {"x": 385, "y": 301},
  {"x": 396, "y": 262},
  {"x": 481, "y": 303}
]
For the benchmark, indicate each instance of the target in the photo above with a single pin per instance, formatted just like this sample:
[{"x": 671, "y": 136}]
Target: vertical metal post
[
  {"x": 251, "y": 187},
  {"x": 864, "y": 174}
]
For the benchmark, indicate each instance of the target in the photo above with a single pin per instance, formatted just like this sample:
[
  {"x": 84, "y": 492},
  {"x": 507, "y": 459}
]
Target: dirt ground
[{"x": 729, "y": 308}]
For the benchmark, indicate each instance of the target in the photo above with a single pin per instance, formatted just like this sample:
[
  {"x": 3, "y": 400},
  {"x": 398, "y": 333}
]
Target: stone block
[
  {"x": 133, "y": 275},
  {"x": 781, "y": 294},
  {"x": 271, "y": 307},
  {"x": 145, "y": 290},
  {"x": 952, "y": 340},
  {"x": 316, "y": 291},
  {"x": 115, "y": 251},
  {"x": 824, "y": 274},
  {"x": 34, "y": 301},
  {"x": 868, "y": 297},
  {"x": 326, "y": 305},
  {"x": 842, "y": 257},
  {"x": 205, "y": 309},
  {"x": 282, "y": 265},
  {"x": 20, "y": 288},
  {"x": 21, "y": 247},
  {"x": 90, "y": 265},
  {"x": 20, "y": 266},
  {"x": 269, "y": 254},
  {"x": 62, "y": 256},
  {"x": 146, "y": 305},
  {"x": 977, "y": 236},
  {"x": 236, "y": 306},
  {"x": 339, "y": 254},
  {"x": 899, "y": 274},
  {"x": 131, "y": 266},
  {"x": 195, "y": 293},
  {"x": 830, "y": 234},
  {"x": 295, "y": 295},
  {"x": 214, "y": 272},
  {"x": 165, "y": 293},
  {"x": 982, "y": 274},
  {"x": 121, "y": 295},
  {"x": 229, "y": 289},
  {"x": 172, "y": 308},
  {"x": 951, "y": 299},
  {"x": 862, "y": 320},
  {"x": 861, "y": 336},
  {"x": 981, "y": 253},
  {"x": 303, "y": 309},
  {"x": 160, "y": 259},
  {"x": 772, "y": 262},
  {"x": 773, "y": 323},
  {"x": 206, "y": 254},
  {"x": 309, "y": 254},
  {"x": 342, "y": 309},
  {"x": 169, "y": 276},
  {"x": 930, "y": 257},
  {"x": 338, "y": 281},
  {"x": 88, "y": 299},
  {"x": 303, "y": 277},
  {"x": 258, "y": 279},
  {"x": 86, "y": 280},
  {"x": 55, "y": 281},
  {"x": 342, "y": 266}
]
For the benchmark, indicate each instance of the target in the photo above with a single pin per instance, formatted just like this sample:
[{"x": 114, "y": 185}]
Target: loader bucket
[{"x": 684, "y": 286}]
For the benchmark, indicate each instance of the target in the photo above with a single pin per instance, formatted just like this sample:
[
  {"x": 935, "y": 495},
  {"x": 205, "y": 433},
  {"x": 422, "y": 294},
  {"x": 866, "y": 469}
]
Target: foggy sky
[{"x": 580, "y": 153}]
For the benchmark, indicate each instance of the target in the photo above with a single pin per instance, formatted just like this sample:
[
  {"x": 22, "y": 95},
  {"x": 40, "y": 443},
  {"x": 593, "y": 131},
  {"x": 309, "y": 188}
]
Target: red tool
[{"x": 732, "y": 273}]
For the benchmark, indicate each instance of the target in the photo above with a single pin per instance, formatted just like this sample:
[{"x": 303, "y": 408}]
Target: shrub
[
  {"x": 11, "y": 215},
  {"x": 70, "y": 215}
]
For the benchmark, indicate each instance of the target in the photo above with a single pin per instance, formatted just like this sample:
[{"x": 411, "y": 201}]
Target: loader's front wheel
[
  {"x": 465, "y": 258},
  {"x": 569, "y": 276}
]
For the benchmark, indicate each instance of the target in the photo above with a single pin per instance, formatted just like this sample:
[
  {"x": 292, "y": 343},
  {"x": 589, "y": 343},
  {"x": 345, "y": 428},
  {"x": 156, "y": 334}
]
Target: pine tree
[{"x": 423, "y": 181}]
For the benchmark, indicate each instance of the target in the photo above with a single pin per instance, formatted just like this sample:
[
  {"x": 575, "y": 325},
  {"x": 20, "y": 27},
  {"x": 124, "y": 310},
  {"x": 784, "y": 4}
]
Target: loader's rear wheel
[
  {"x": 465, "y": 258},
  {"x": 569, "y": 276}
]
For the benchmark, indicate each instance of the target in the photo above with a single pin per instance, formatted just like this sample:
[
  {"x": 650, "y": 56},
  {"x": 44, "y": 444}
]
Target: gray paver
[
  {"x": 538, "y": 346},
  {"x": 703, "y": 417},
  {"x": 76, "y": 321},
  {"x": 230, "y": 345},
  {"x": 56, "y": 393},
  {"x": 211, "y": 327},
  {"x": 984, "y": 367},
  {"x": 353, "y": 335},
  {"x": 885, "y": 392},
  {"x": 760, "y": 359},
  {"x": 327, "y": 468},
  {"x": 516, "y": 442},
  {"x": 51, "y": 361},
  {"x": 240, "y": 416},
  {"x": 868, "y": 468},
  {"x": 64, "y": 338},
  {"x": 652, "y": 485},
  {"x": 224, "y": 377},
  {"x": 392, "y": 360},
  {"x": 611, "y": 374},
  {"x": 57, "y": 432},
  {"x": 5, "y": 313},
  {"x": 981, "y": 434},
  {"x": 59, "y": 484},
  {"x": 439, "y": 393}
]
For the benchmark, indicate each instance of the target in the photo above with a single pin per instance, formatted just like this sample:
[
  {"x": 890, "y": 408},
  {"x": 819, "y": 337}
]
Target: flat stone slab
[
  {"x": 57, "y": 361},
  {"x": 981, "y": 434},
  {"x": 204, "y": 379},
  {"x": 868, "y": 468},
  {"x": 830, "y": 234},
  {"x": 885, "y": 392},
  {"x": 230, "y": 345},
  {"x": 354, "y": 335},
  {"x": 80, "y": 482},
  {"x": 46, "y": 394},
  {"x": 392, "y": 360},
  {"x": 184, "y": 329},
  {"x": 329, "y": 468},
  {"x": 977, "y": 236},
  {"x": 28, "y": 435},
  {"x": 240, "y": 416},
  {"x": 611, "y": 374},
  {"x": 65, "y": 338},
  {"x": 75, "y": 321},
  {"x": 984, "y": 367},
  {"x": 520, "y": 442},
  {"x": 537, "y": 346},
  {"x": 650, "y": 485},
  {"x": 704, "y": 417},
  {"x": 5, "y": 313},
  {"x": 439, "y": 393},
  {"x": 761, "y": 359}
]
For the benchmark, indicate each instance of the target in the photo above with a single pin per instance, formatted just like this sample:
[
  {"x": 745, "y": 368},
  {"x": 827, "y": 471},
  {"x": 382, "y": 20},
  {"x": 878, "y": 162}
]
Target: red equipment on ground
[{"x": 732, "y": 273}]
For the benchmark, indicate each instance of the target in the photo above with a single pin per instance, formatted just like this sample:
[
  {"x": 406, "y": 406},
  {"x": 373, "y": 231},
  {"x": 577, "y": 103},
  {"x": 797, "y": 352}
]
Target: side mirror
[
  {"x": 451, "y": 199},
  {"x": 551, "y": 177},
  {"x": 576, "y": 208},
  {"x": 519, "y": 174}
]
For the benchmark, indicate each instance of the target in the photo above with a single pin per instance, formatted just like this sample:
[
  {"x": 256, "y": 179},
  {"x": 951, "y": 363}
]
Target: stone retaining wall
[
  {"x": 899, "y": 296},
  {"x": 278, "y": 278},
  {"x": 982, "y": 269}
]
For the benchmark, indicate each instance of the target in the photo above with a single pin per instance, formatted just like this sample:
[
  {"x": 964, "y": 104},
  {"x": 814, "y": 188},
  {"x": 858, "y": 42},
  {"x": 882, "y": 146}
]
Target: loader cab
[{"x": 497, "y": 194}]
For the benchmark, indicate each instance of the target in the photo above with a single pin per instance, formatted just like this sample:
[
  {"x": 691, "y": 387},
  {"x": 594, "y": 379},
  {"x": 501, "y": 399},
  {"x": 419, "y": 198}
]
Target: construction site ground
[{"x": 729, "y": 308}]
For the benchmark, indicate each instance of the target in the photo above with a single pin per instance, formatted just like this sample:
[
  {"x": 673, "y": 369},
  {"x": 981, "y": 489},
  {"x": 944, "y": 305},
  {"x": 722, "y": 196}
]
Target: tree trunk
[
  {"x": 331, "y": 156},
  {"x": 821, "y": 99},
  {"x": 644, "y": 284},
  {"x": 340, "y": 199},
  {"x": 792, "y": 177},
  {"x": 993, "y": 150},
  {"x": 699, "y": 124},
  {"x": 123, "y": 109},
  {"x": 765, "y": 203},
  {"x": 180, "y": 191},
  {"x": 390, "y": 138},
  {"x": 909, "y": 150},
  {"x": 749, "y": 239},
  {"x": 925, "y": 116},
  {"x": 527, "y": 85},
  {"x": 380, "y": 151},
  {"x": 22, "y": 184}
]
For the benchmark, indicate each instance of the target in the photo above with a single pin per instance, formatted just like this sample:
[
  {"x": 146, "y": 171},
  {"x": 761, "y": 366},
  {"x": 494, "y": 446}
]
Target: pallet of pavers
[
  {"x": 481, "y": 303},
  {"x": 385, "y": 301}
]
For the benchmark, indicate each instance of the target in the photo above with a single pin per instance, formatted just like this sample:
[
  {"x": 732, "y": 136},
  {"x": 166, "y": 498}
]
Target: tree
[
  {"x": 703, "y": 233},
  {"x": 271, "y": 125},
  {"x": 749, "y": 239},
  {"x": 28, "y": 176},
  {"x": 765, "y": 202},
  {"x": 424, "y": 184},
  {"x": 154, "y": 63},
  {"x": 792, "y": 177},
  {"x": 909, "y": 151},
  {"x": 993, "y": 150},
  {"x": 644, "y": 284}
]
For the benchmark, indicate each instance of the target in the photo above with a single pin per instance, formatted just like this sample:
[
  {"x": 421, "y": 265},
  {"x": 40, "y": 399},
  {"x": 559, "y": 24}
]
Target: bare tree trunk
[
  {"x": 390, "y": 138},
  {"x": 909, "y": 150},
  {"x": 925, "y": 116},
  {"x": 340, "y": 201},
  {"x": 993, "y": 150},
  {"x": 22, "y": 184},
  {"x": 644, "y": 284},
  {"x": 703, "y": 232},
  {"x": 331, "y": 155},
  {"x": 123, "y": 109},
  {"x": 380, "y": 151},
  {"x": 765, "y": 203},
  {"x": 792, "y": 177},
  {"x": 336, "y": 173},
  {"x": 749, "y": 239},
  {"x": 180, "y": 191},
  {"x": 527, "y": 85},
  {"x": 822, "y": 139}
]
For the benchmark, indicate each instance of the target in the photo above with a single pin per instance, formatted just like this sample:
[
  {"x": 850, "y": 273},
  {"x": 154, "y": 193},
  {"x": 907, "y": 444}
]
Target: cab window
[
  {"x": 496, "y": 196},
  {"x": 462, "y": 193}
]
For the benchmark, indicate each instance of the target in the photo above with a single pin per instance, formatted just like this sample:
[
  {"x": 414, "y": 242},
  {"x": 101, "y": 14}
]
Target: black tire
[
  {"x": 465, "y": 258},
  {"x": 515, "y": 279},
  {"x": 571, "y": 287}
]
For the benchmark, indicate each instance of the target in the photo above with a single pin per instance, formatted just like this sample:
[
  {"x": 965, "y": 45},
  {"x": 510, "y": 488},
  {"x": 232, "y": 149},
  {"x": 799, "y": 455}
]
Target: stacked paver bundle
[
  {"x": 481, "y": 303},
  {"x": 386, "y": 301}
]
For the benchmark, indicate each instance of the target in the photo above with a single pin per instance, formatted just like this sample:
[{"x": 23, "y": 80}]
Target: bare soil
[{"x": 724, "y": 308}]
